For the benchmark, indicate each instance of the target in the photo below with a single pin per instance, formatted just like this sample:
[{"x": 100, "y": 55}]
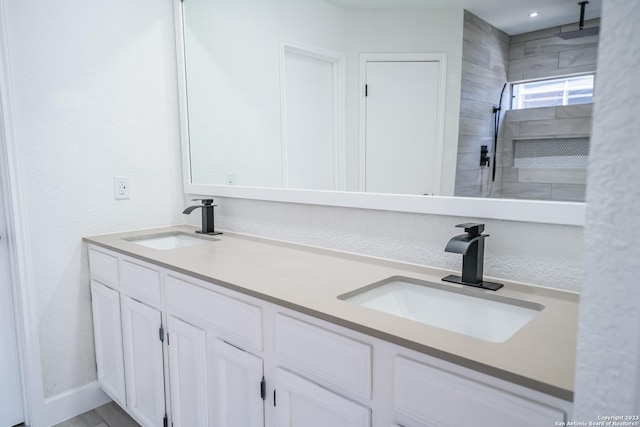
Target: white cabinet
[
  {"x": 324, "y": 356},
  {"x": 301, "y": 403},
  {"x": 144, "y": 368},
  {"x": 426, "y": 396},
  {"x": 238, "y": 387},
  {"x": 214, "y": 381},
  {"x": 107, "y": 330},
  {"x": 222, "y": 344},
  {"x": 187, "y": 374}
]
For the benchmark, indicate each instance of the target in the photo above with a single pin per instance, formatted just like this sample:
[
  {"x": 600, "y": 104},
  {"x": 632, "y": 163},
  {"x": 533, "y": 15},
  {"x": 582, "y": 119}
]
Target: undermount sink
[
  {"x": 471, "y": 312},
  {"x": 166, "y": 241}
]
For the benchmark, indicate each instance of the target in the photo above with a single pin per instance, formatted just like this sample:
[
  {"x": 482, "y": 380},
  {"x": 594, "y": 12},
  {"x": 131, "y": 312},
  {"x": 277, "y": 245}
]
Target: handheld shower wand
[{"x": 496, "y": 128}]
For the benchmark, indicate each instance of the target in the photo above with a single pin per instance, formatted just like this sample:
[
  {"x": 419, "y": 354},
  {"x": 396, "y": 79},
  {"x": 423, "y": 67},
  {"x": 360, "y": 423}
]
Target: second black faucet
[{"x": 207, "y": 206}]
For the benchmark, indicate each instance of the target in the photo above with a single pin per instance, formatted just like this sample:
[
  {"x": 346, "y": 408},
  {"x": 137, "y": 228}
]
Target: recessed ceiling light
[{"x": 533, "y": 14}]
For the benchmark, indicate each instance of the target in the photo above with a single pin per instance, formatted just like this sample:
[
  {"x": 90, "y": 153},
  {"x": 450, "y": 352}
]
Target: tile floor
[{"x": 109, "y": 415}]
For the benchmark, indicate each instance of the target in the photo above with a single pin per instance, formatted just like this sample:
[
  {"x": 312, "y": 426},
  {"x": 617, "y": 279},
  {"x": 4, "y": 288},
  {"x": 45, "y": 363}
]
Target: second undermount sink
[
  {"x": 489, "y": 317},
  {"x": 173, "y": 240}
]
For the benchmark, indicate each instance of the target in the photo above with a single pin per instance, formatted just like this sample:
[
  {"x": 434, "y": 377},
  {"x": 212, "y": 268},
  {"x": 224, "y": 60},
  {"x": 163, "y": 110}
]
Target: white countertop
[{"x": 540, "y": 356}]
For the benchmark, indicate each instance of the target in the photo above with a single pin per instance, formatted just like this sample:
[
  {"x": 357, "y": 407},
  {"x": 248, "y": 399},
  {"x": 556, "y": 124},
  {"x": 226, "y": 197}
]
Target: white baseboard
[{"x": 74, "y": 402}]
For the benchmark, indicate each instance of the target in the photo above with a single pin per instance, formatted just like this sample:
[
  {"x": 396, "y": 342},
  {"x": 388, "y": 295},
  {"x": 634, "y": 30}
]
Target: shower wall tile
[
  {"x": 485, "y": 56},
  {"x": 542, "y": 54}
]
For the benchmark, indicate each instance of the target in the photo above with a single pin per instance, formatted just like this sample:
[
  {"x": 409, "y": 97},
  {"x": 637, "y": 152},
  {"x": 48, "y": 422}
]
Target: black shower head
[{"x": 581, "y": 31}]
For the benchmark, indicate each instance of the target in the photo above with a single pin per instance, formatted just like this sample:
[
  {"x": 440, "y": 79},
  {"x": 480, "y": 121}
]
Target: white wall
[
  {"x": 234, "y": 77},
  {"x": 95, "y": 96},
  {"x": 542, "y": 254},
  {"x": 608, "y": 364},
  {"x": 233, "y": 70},
  {"x": 406, "y": 31}
]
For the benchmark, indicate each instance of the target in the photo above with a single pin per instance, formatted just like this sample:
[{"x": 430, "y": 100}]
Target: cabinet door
[
  {"x": 301, "y": 403},
  {"x": 143, "y": 361},
  {"x": 187, "y": 374},
  {"x": 427, "y": 396},
  {"x": 107, "y": 331},
  {"x": 236, "y": 381}
]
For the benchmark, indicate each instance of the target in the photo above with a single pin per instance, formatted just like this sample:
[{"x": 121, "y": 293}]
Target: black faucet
[
  {"x": 471, "y": 246},
  {"x": 207, "y": 216}
]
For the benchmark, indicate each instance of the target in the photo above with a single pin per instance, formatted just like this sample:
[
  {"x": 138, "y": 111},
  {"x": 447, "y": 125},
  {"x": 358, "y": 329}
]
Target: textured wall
[
  {"x": 485, "y": 52},
  {"x": 543, "y": 254},
  {"x": 541, "y": 54},
  {"x": 608, "y": 365},
  {"x": 95, "y": 96}
]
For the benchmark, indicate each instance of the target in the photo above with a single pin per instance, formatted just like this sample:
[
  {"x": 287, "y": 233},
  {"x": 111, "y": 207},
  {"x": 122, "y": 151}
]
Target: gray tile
[
  {"x": 587, "y": 24},
  {"x": 557, "y": 45},
  {"x": 479, "y": 92},
  {"x": 538, "y": 74},
  {"x": 471, "y": 144},
  {"x": 578, "y": 57},
  {"x": 474, "y": 34},
  {"x": 114, "y": 416},
  {"x": 468, "y": 178},
  {"x": 505, "y": 159},
  {"x": 475, "y": 127},
  {"x": 516, "y": 51},
  {"x": 553, "y": 176},
  {"x": 489, "y": 77},
  {"x": 468, "y": 161},
  {"x": 527, "y": 114},
  {"x": 574, "y": 111},
  {"x": 509, "y": 129},
  {"x": 534, "y": 63},
  {"x": 481, "y": 24},
  {"x": 557, "y": 127},
  {"x": 521, "y": 190},
  {"x": 476, "y": 54},
  {"x": 568, "y": 192},
  {"x": 500, "y": 61},
  {"x": 535, "y": 35},
  {"x": 476, "y": 109},
  {"x": 88, "y": 419},
  {"x": 509, "y": 174},
  {"x": 515, "y": 77}
]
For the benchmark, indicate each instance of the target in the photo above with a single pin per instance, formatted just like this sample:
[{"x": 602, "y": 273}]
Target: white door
[
  {"x": 301, "y": 403},
  {"x": 107, "y": 329},
  {"x": 143, "y": 362},
  {"x": 237, "y": 390},
  {"x": 311, "y": 121},
  {"x": 401, "y": 127},
  {"x": 11, "y": 412},
  {"x": 187, "y": 374}
]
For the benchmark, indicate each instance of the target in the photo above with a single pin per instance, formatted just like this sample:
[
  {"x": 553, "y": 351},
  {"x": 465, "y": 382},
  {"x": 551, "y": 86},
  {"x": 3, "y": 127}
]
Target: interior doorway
[
  {"x": 402, "y": 123},
  {"x": 312, "y": 110}
]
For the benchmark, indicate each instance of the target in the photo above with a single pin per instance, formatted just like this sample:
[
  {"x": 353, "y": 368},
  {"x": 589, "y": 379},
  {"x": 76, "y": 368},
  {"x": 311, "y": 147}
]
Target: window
[{"x": 552, "y": 93}]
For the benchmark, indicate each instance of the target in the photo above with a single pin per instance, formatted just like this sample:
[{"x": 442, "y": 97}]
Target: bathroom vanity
[{"x": 239, "y": 331}]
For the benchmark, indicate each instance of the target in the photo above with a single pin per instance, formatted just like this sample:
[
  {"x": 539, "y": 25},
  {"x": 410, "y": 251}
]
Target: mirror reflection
[{"x": 311, "y": 95}]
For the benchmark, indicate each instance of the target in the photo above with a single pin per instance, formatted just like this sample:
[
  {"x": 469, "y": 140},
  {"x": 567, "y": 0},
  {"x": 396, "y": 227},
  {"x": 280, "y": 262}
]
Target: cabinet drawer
[
  {"x": 140, "y": 281},
  {"x": 431, "y": 396},
  {"x": 321, "y": 354},
  {"x": 238, "y": 322},
  {"x": 103, "y": 268}
]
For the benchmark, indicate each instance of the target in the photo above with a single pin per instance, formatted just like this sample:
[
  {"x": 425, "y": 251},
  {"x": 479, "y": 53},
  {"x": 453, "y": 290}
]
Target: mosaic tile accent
[{"x": 555, "y": 153}]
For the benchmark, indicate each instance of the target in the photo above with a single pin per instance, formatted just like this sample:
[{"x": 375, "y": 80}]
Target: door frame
[
  {"x": 20, "y": 271},
  {"x": 338, "y": 63},
  {"x": 441, "y": 59}
]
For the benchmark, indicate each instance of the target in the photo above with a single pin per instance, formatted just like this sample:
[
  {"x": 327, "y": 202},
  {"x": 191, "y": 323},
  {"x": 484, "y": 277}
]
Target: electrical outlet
[
  {"x": 121, "y": 187},
  {"x": 231, "y": 179}
]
